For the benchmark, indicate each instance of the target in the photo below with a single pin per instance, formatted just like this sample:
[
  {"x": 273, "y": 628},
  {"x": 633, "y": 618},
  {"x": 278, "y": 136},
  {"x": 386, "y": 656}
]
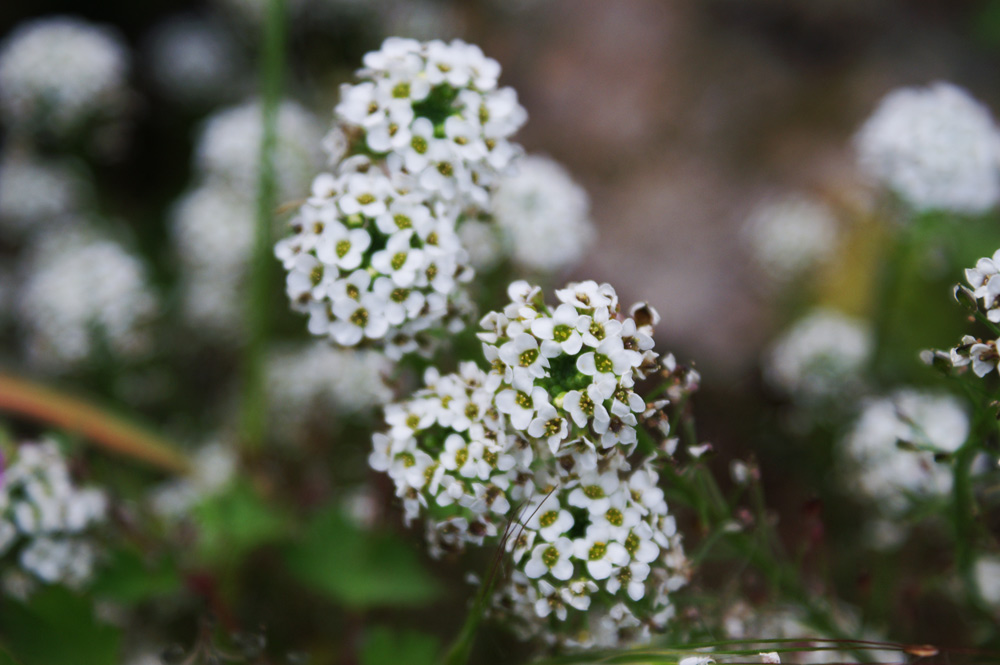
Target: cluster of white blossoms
[
  {"x": 58, "y": 72},
  {"x": 45, "y": 518},
  {"x": 544, "y": 215},
  {"x": 435, "y": 112},
  {"x": 229, "y": 144},
  {"x": 35, "y": 191},
  {"x": 936, "y": 147},
  {"x": 820, "y": 356},
  {"x": 373, "y": 261},
  {"x": 982, "y": 356},
  {"x": 926, "y": 424},
  {"x": 309, "y": 386},
  {"x": 82, "y": 292},
  {"x": 542, "y": 442},
  {"x": 790, "y": 236},
  {"x": 375, "y": 258}
]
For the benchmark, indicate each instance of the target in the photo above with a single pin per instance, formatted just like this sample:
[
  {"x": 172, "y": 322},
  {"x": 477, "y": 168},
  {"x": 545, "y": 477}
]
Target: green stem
[
  {"x": 254, "y": 379},
  {"x": 962, "y": 506}
]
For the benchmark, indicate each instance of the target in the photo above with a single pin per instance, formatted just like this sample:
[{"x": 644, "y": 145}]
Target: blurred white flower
[
  {"x": 213, "y": 228},
  {"x": 311, "y": 385},
  {"x": 820, "y": 356},
  {"x": 44, "y": 517},
  {"x": 229, "y": 148},
  {"x": 987, "y": 572},
  {"x": 57, "y": 72},
  {"x": 193, "y": 60},
  {"x": 892, "y": 475},
  {"x": 34, "y": 191},
  {"x": 80, "y": 291},
  {"x": 212, "y": 468},
  {"x": 937, "y": 147},
  {"x": 544, "y": 214},
  {"x": 483, "y": 243},
  {"x": 790, "y": 235}
]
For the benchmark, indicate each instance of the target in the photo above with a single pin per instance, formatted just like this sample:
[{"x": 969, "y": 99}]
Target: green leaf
[
  {"x": 57, "y": 627},
  {"x": 234, "y": 522},
  {"x": 360, "y": 569},
  {"x": 383, "y": 646},
  {"x": 129, "y": 578}
]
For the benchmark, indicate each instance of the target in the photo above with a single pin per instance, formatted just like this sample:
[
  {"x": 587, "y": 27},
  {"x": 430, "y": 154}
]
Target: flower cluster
[
  {"x": 83, "y": 290},
  {"x": 820, "y": 356},
  {"x": 542, "y": 442},
  {"x": 434, "y": 111},
  {"x": 375, "y": 257},
  {"x": 44, "y": 516},
  {"x": 59, "y": 72},
  {"x": 374, "y": 260},
  {"x": 193, "y": 60},
  {"x": 936, "y": 147},
  {"x": 544, "y": 215},
  {"x": 568, "y": 373},
  {"x": 982, "y": 356},
  {"x": 928, "y": 423}
]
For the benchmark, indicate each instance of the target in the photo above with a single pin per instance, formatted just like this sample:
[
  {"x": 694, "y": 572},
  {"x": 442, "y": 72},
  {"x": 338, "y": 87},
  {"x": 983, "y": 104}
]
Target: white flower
[
  {"x": 544, "y": 214},
  {"x": 936, "y": 422},
  {"x": 35, "y": 192},
  {"x": 549, "y": 519},
  {"x": 550, "y": 426},
  {"x": 551, "y": 558},
  {"x": 821, "y": 355},
  {"x": 791, "y": 236},
  {"x": 229, "y": 144},
  {"x": 521, "y": 406},
  {"x": 600, "y": 553},
  {"x": 80, "y": 288},
  {"x": 58, "y": 72},
  {"x": 937, "y": 147}
]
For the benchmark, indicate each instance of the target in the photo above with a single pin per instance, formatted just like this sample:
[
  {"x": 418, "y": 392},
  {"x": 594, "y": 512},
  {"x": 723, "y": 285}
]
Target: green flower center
[
  {"x": 550, "y": 556},
  {"x": 353, "y": 292},
  {"x": 484, "y": 114},
  {"x": 603, "y": 363},
  {"x": 401, "y": 90},
  {"x": 471, "y": 410},
  {"x": 586, "y": 404},
  {"x": 632, "y": 543},
  {"x": 597, "y": 330},
  {"x": 432, "y": 271},
  {"x": 553, "y": 426},
  {"x": 593, "y": 492},
  {"x": 400, "y": 295},
  {"x": 402, "y": 221},
  {"x": 398, "y": 260},
  {"x": 528, "y": 357},
  {"x": 461, "y": 457},
  {"x": 562, "y": 332},
  {"x": 419, "y": 143},
  {"x": 490, "y": 458},
  {"x": 432, "y": 238},
  {"x": 359, "y": 317},
  {"x": 366, "y": 198},
  {"x": 445, "y": 169},
  {"x": 343, "y": 247},
  {"x": 597, "y": 551},
  {"x": 614, "y": 517},
  {"x": 316, "y": 275},
  {"x": 412, "y": 421},
  {"x": 523, "y": 400},
  {"x": 407, "y": 459},
  {"x": 549, "y": 518}
]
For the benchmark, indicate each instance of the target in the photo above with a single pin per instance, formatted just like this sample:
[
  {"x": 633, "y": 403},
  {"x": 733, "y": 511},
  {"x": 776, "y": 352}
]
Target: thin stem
[
  {"x": 254, "y": 379},
  {"x": 48, "y": 406}
]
